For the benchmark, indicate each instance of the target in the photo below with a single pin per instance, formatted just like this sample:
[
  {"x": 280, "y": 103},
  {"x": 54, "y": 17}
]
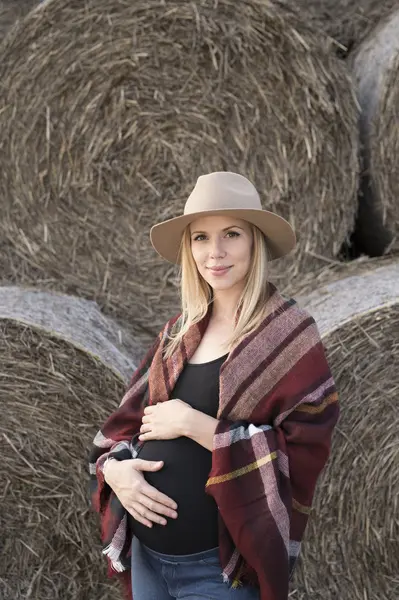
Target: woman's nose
[{"x": 217, "y": 250}]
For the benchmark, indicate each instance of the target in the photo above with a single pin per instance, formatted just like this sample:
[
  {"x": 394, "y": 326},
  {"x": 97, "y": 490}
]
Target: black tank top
[{"x": 186, "y": 468}]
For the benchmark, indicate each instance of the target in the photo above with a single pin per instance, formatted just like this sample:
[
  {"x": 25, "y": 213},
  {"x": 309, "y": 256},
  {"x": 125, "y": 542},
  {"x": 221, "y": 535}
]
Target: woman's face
[{"x": 222, "y": 250}]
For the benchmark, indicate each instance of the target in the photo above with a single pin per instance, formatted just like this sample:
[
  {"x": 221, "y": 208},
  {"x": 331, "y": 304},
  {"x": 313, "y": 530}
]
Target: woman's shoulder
[
  {"x": 291, "y": 310},
  {"x": 169, "y": 328},
  {"x": 283, "y": 302}
]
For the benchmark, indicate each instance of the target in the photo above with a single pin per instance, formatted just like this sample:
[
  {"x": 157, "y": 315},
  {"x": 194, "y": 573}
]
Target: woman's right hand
[{"x": 144, "y": 502}]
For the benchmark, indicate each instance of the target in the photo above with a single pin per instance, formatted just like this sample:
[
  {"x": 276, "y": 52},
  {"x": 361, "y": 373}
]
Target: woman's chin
[{"x": 221, "y": 284}]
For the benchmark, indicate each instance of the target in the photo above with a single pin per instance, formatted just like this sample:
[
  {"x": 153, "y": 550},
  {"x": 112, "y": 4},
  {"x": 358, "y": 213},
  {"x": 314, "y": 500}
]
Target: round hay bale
[
  {"x": 346, "y": 21},
  {"x": 375, "y": 67},
  {"x": 338, "y": 270},
  {"x": 62, "y": 372},
  {"x": 75, "y": 320},
  {"x": 351, "y": 546},
  {"x": 109, "y": 111}
]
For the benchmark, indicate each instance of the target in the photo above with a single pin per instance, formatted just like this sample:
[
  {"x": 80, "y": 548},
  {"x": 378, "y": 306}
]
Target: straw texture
[
  {"x": 347, "y": 21},
  {"x": 351, "y": 545},
  {"x": 109, "y": 111},
  {"x": 334, "y": 271},
  {"x": 375, "y": 67},
  {"x": 74, "y": 320},
  {"x": 13, "y": 10},
  {"x": 54, "y": 392}
]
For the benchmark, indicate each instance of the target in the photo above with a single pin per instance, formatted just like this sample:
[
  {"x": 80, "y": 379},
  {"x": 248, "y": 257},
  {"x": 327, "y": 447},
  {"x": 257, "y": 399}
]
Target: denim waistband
[{"x": 181, "y": 558}]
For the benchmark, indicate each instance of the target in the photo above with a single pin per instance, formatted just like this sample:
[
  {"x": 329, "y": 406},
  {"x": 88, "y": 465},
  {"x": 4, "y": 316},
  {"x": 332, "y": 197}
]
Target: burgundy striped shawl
[{"x": 277, "y": 411}]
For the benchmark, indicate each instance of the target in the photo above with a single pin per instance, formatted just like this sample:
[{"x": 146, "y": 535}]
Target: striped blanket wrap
[{"x": 277, "y": 411}]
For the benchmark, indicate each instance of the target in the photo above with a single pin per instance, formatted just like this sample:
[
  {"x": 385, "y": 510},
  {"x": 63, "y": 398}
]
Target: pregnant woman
[{"x": 204, "y": 476}]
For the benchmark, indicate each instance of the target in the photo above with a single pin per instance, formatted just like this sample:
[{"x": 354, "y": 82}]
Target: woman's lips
[{"x": 219, "y": 271}]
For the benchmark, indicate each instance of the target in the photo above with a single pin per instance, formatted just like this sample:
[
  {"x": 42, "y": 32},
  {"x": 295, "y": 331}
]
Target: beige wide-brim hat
[{"x": 228, "y": 194}]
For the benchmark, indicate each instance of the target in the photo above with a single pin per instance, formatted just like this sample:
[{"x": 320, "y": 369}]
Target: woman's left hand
[{"x": 165, "y": 420}]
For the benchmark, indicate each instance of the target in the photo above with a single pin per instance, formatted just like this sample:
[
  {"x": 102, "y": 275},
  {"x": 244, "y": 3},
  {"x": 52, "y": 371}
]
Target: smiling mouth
[{"x": 218, "y": 269}]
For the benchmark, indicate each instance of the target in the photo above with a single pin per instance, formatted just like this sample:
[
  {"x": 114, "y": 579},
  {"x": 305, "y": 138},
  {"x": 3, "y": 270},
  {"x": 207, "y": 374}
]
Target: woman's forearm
[{"x": 200, "y": 427}]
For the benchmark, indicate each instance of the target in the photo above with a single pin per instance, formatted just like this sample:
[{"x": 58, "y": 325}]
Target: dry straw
[
  {"x": 13, "y": 10},
  {"x": 351, "y": 545},
  {"x": 110, "y": 110},
  {"x": 375, "y": 67},
  {"x": 62, "y": 373},
  {"x": 336, "y": 270},
  {"x": 347, "y": 21}
]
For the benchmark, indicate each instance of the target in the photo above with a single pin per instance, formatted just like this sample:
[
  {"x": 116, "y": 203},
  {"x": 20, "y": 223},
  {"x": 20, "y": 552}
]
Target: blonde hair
[{"x": 196, "y": 294}]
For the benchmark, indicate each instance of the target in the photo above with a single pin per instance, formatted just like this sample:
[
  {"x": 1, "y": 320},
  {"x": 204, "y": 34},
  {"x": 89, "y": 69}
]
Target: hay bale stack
[
  {"x": 109, "y": 111},
  {"x": 62, "y": 373},
  {"x": 375, "y": 67},
  {"x": 351, "y": 544},
  {"x": 347, "y": 21}
]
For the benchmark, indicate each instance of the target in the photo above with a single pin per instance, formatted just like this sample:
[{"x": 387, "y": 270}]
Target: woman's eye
[{"x": 201, "y": 236}]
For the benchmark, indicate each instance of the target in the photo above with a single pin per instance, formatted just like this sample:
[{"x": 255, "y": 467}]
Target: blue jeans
[{"x": 158, "y": 576}]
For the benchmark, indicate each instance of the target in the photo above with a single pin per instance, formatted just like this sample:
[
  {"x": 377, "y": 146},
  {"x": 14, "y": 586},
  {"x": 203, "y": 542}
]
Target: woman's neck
[{"x": 225, "y": 305}]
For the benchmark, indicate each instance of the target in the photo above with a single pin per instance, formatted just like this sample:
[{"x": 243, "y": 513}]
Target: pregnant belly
[{"x": 182, "y": 478}]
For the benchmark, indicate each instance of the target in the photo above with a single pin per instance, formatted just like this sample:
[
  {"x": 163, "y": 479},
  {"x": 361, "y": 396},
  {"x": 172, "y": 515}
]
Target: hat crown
[{"x": 222, "y": 190}]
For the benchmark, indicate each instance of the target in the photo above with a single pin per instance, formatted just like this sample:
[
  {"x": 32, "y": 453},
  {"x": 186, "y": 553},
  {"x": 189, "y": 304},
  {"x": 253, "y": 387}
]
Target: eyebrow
[{"x": 225, "y": 229}]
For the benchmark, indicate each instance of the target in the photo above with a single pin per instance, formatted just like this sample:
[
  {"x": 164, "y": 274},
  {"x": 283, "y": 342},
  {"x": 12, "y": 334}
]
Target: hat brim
[{"x": 280, "y": 236}]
